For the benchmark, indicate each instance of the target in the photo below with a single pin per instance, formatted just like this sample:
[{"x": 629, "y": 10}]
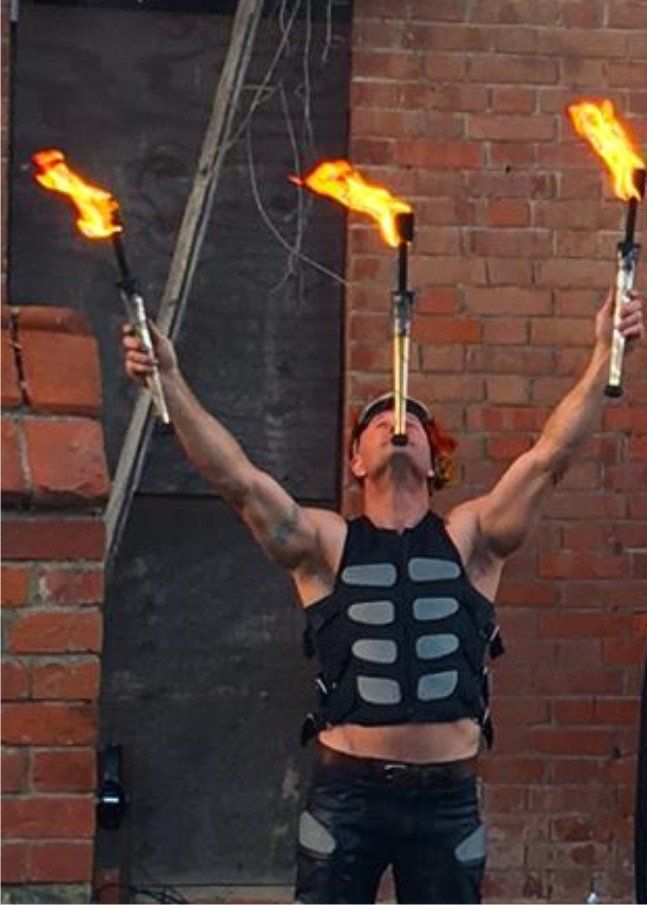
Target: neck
[{"x": 397, "y": 507}]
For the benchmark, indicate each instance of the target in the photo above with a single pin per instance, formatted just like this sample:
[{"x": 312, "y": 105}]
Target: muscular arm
[
  {"x": 506, "y": 514},
  {"x": 286, "y": 531}
]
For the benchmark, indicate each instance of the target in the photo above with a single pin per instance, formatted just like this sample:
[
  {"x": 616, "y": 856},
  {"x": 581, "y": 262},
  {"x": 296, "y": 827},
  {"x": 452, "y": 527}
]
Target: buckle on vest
[
  {"x": 487, "y": 728},
  {"x": 495, "y": 643},
  {"x": 311, "y": 726}
]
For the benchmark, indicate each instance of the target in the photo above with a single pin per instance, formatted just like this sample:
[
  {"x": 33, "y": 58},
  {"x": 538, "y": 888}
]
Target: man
[{"x": 398, "y": 609}]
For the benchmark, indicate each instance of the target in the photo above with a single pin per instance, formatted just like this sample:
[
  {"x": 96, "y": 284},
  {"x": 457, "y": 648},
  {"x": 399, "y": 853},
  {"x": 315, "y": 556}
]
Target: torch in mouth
[
  {"x": 98, "y": 218},
  {"x": 339, "y": 180},
  {"x": 598, "y": 124}
]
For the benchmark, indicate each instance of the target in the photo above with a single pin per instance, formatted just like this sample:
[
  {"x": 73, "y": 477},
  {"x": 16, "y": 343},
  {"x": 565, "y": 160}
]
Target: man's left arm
[{"x": 506, "y": 514}]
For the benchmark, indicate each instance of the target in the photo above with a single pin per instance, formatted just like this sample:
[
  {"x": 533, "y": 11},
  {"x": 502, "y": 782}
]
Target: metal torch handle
[
  {"x": 137, "y": 317},
  {"x": 625, "y": 279},
  {"x": 401, "y": 344}
]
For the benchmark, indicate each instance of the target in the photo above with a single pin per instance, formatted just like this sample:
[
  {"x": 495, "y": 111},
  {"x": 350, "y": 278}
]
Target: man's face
[{"x": 374, "y": 451}]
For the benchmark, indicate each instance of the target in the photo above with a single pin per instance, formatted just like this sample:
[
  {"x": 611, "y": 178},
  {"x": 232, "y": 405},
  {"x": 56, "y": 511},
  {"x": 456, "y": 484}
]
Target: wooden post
[{"x": 185, "y": 256}]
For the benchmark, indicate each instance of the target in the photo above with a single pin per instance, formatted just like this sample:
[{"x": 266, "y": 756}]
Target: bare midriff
[{"x": 416, "y": 743}]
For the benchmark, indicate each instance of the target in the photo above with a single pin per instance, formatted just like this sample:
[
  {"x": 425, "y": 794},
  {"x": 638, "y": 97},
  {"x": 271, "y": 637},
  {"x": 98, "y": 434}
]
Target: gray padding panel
[
  {"x": 473, "y": 847},
  {"x": 430, "y": 646},
  {"x": 435, "y": 686},
  {"x": 314, "y": 835},
  {"x": 379, "y": 691},
  {"x": 375, "y": 575},
  {"x": 372, "y": 612},
  {"x": 376, "y": 650},
  {"x": 434, "y": 607},
  {"x": 423, "y": 568}
]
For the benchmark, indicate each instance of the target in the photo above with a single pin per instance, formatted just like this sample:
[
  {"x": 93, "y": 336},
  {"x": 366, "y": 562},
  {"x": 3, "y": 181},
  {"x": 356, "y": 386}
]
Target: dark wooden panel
[
  {"x": 127, "y": 95},
  {"x": 205, "y": 685}
]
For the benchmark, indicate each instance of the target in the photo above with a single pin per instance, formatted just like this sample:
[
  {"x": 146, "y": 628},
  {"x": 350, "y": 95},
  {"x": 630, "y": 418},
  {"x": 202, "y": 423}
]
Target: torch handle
[
  {"x": 402, "y": 305},
  {"x": 137, "y": 317},
  {"x": 625, "y": 279}
]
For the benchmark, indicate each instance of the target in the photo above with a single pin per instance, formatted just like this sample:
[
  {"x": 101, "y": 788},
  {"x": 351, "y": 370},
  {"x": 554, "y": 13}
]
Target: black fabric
[
  {"x": 641, "y": 802},
  {"x": 330, "y": 633},
  {"x": 372, "y": 823}
]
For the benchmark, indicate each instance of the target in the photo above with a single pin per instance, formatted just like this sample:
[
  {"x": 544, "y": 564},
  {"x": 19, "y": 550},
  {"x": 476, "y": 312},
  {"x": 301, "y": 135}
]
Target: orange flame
[
  {"x": 339, "y": 180},
  {"x": 96, "y": 207},
  {"x": 598, "y": 124}
]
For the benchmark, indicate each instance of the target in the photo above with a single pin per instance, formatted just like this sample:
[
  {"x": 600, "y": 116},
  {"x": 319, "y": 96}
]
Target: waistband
[{"x": 391, "y": 771}]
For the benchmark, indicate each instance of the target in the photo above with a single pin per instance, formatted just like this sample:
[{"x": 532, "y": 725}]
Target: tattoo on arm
[{"x": 287, "y": 527}]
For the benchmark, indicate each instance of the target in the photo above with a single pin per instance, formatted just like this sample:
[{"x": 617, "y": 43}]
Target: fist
[
  {"x": 631, "y": 322},
  {"x": 138, "y": 363}
]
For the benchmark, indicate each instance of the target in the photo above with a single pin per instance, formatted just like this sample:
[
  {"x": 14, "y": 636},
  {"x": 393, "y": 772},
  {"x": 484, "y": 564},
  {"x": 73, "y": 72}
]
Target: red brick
[
  {"x": 572, "y": 710},
  {"x": 437, "y": 330},
  {"x": 512, "y": 243},
  {"x": 581, "y": 565},
  {"x": 612, "y": 711},
  {"x": 54, "y": 539},
  {"x": 507, "y": 212},
  {"x": 59, "y": 632},
  {"x": 580, "y": 740},
  {"x": 68, "y": 681},
  {"x": 61, "y": 862},
  {"x": 505, "y": 68},
  {"x": 510, "y": 330},
  {"x": 61, "y": 372},
  {"x": 449, "y": 67},
  {"x": 48, "y": 817},
  {"x": 49, "y": 724},
  {"x": 65, "y": 586},
  {"x": 15, "y": 680},
  {"x": 563, "y": 331},
  {"x": 386, "y": 65},
  {"x": 507, "y": 300},
  {"x": 624, "y": 651},
  {"x": 509, "y": 126},
  {"x": 628, "y": 14},
  {"x": 507, "y": 389},
  {"x": 65, "y": 770},
  {"x": 628, "y": 74},
  {"x": 513, "y": 99},
  {"x": 426, "y": 152},
  {"x": 584, "y": 624},
  {"x": 15, "y": 586},
  {"x": 16, "y": 858},
  {"x": 13, "y": 770},
  {"x": 53, "y": 320},
  {"x": 67, "y": 461},
  {"x": 11, "y": 394},
  {"x": 15, "y": 486},
  {"x": 575, "y": 273},
  {"x": 511, "y": 770}
]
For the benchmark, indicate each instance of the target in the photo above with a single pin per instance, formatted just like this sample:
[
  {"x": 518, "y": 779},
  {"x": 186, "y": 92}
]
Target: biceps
[
  {"x": 281, "y": 527},
  {"x": 508, "y": 512}
]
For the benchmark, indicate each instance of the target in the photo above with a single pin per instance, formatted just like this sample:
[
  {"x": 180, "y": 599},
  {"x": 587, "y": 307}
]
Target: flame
[
  {"x": 96, "y": 207},
  {"x": 598, "y": 124},
  {"x": 341, "y": 181}
]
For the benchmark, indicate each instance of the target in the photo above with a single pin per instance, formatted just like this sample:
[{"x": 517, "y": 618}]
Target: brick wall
[
  {"x": 459, "y": 107},
  {"x": 54, "y": 484}
]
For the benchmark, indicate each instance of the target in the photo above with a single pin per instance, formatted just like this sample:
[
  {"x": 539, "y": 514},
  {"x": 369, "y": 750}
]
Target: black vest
[{"x": 404, "y": 635}]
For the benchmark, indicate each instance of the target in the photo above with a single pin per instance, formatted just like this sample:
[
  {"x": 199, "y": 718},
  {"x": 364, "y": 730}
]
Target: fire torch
[
  {"x": 98, "y": 218},
  {"x": 339, "y": 180},
  {"x": 598, "y": 124}
]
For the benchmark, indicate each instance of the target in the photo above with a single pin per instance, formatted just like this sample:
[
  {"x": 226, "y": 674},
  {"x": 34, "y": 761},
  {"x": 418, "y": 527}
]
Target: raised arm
[
  {"x": 505, "y": 515},
  {"x": 286, "y": 531}
]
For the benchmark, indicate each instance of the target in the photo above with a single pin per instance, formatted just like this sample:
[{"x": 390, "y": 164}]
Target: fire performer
[{"x": 398, "y": 607}]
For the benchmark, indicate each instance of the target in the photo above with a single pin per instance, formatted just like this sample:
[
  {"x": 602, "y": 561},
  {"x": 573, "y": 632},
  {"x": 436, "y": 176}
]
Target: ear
[{"x": 357, "y": 467}]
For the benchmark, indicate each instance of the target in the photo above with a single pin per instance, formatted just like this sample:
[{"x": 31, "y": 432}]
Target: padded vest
[{"x": 404, "y": 635}]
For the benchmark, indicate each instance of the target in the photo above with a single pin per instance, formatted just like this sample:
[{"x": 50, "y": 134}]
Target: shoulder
[
  {"x": 463, "y": 526},
  {"x": 331, "y": 529}
]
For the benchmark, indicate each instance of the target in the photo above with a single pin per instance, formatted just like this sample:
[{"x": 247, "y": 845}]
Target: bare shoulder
[
  {"x": 315, "y": 577},
  {"x": 331, "y": 530},
  {"x": 482, "y": 567}
]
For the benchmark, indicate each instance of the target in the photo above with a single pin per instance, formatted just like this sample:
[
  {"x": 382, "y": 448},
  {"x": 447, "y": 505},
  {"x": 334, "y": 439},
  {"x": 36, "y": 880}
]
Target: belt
[{"x": 400, "y": 772}]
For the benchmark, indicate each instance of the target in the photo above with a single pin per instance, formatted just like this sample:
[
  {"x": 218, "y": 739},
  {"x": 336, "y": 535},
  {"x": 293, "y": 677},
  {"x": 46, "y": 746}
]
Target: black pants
[{"x": 362, "y": 815}]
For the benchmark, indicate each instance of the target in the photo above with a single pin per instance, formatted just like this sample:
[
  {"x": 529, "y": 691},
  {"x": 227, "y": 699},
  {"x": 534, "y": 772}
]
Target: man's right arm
[{"x": 287, "y": 532}]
